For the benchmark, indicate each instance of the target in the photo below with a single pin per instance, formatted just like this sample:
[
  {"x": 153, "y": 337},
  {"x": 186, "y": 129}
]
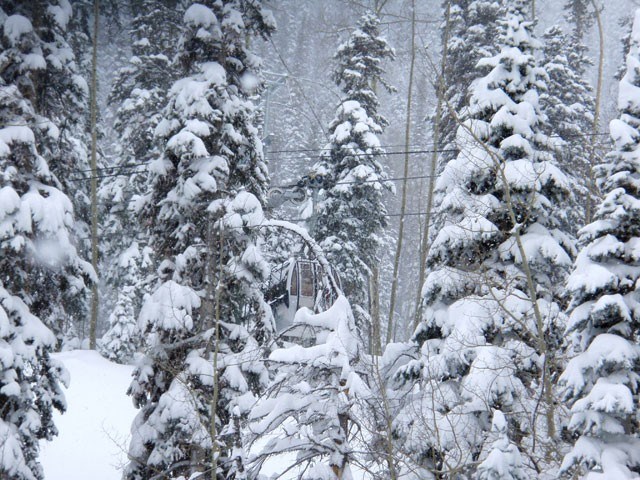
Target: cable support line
[
  {"x": 307, "y": 150},
  {"x": 114, "y": 167},
  {"x": 47, "y": 122},
  {"x": 33, "y": 124},
  {"x": 383, "y": 153},
  {"x": 292, "y": 185},
  {"x": 408, "y": 152},
  {"x": 266, "y": 223},
  {"x": 303, "y": 150},
  {"x": 352, "y": 182},
  {"x": 414, "y": 152},
  {"x": 127, "y": 168},
  {"x": 135, "y": 165},
  {"x": 99, "y": 177},
  {"x": 141, "y": 164}
]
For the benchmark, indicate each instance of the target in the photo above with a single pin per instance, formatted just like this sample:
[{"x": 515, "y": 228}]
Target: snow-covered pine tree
[
  {"x": 61, "y": 94},
  {"x": 569, "y": 106},
  {"x": 204, "y": 211},
  {"x": 603, "y": 381},
  {"x": 580, "y": 18},
  {"x": 473, "y": 28},
  {"x": 308, "y": 408},
  {"x": 123, "y": 338},
  {"x": 140, "y": 89},
  {"x": 350, "y": 216},
  {"x": 503, "y": 461},
  {"x": 38, "y": 61},
  {"x": 482, "y": 341},
  {"x": 39, "y": 265}
]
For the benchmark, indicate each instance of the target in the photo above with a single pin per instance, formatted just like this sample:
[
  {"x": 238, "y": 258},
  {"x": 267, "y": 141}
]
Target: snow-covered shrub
[{"x": 307, "y": 409}]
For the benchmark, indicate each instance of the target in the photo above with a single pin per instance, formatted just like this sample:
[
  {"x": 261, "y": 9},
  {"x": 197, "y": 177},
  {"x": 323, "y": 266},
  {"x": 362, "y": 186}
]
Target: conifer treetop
[{"x": 359, "y": 66}]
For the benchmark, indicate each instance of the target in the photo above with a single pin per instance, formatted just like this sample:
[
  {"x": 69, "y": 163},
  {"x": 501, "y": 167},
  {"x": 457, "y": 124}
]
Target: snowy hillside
[{"x": 94, "y": 431}]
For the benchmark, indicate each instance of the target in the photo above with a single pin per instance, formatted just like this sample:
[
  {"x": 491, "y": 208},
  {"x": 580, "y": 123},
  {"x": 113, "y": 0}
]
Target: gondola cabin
[{"x": 295, "y": 284}]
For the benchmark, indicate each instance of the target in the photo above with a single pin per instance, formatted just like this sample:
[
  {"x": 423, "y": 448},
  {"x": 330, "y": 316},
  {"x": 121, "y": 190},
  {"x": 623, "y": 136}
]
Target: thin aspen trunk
[
  {"x": 374, "y": 309},
  {"x": 94, "y": 176},
  {"x": 388, "y": 423},
  {"x": 403, "y": 206},
  {"x": 533, "y": 10},
  {"x": 215, "y": 453},
  {"x": 374, "y": 277},
  {"x": 208, "y": 302},
  {"x": 592, "y": 189},
  {"x": 378, "y": 5},
  {"x": 424, "y": 246},
  {"x": 208, "y": 315}
]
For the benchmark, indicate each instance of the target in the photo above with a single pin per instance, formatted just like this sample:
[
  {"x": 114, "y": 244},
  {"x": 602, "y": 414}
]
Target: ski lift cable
[
  {"x": 269, "y": 222},
  {"x": 135, "y": 165},
  {"x": 419, "y": 149},
  {"x": 140, "y": 164},
  {"x": 293, "y": 185},
  {"x": 305, "y": 150}
]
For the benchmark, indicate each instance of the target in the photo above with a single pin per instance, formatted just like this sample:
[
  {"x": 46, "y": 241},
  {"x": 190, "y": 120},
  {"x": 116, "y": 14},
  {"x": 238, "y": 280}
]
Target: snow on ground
[{"x": 94, "y": 432}]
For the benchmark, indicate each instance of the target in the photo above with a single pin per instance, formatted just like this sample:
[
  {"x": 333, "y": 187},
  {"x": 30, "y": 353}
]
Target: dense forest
[{"x": 335, "y": 239}]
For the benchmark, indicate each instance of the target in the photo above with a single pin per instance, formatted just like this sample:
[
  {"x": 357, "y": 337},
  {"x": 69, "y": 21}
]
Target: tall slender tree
[
  {"x": 207, "y": 323},
  {"x": 569, "y": 105},
  {"x": 603, "y": 381},
  {"x": 140, "y": 90},
  {"x": 350, "y": 219}
]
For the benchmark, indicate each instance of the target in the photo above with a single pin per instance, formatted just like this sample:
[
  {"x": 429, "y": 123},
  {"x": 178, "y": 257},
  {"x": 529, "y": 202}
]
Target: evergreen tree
[
  {"x": 504, "y": 461},
  {"x": 204, "y": 206},
  {"x": 569, "y": 105},
  {"x": 472, "y": 30},
  {"x": 581, "y": 19},
  {"x": 39, "y": 266},
  {"x": 603, "y": 381},
  {"x": 122, "y": 338},
  {"x": 42, "y": 64},
  {"x": 140, "y": 89},
  {"x": 350, "y": 217},
  {"x": 483, "y": 341}
]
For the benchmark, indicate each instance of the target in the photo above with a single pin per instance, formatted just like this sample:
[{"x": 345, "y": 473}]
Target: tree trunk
[
  {"x": 403, "y": 206},
  {"x": 533, "y": 10},
  {"x": 424, "y": 246},
  {"x": 215, "y": 450},
  {"x": 374, "y": 310},
  {"x": 94, "y": 176},
  {"x": 592, "y": 190}
]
